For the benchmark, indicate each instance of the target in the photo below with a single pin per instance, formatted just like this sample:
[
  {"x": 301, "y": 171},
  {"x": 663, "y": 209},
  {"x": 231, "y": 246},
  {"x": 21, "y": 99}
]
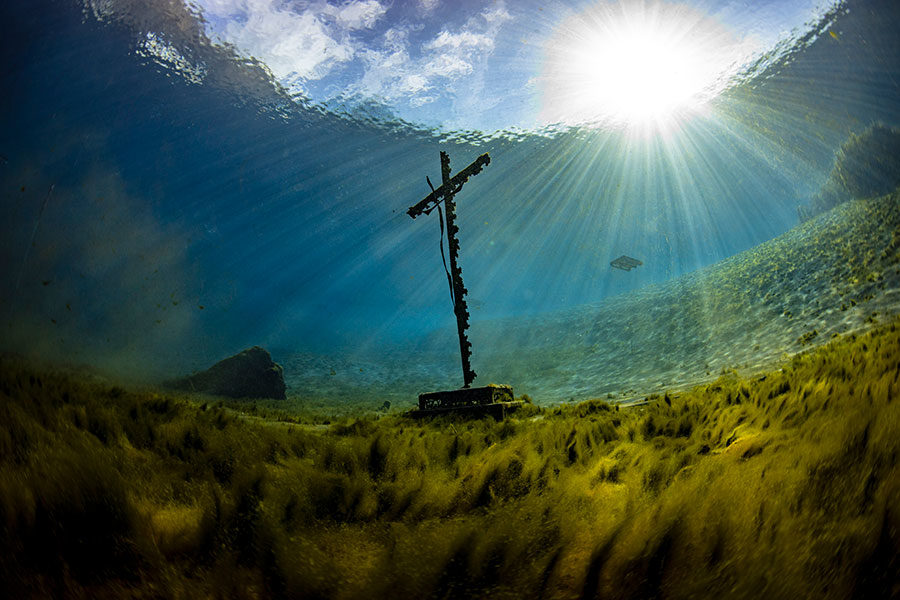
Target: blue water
[{"x": 153, "y": 223}]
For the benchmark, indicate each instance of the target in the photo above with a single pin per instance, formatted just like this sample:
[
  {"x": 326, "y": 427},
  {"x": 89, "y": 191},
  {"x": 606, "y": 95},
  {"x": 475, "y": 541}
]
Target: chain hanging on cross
[{"x": 450, "y": 186}]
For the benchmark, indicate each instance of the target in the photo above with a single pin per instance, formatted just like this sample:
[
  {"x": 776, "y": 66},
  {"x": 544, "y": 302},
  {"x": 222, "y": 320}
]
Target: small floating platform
[{"x": 494, "y": 400}]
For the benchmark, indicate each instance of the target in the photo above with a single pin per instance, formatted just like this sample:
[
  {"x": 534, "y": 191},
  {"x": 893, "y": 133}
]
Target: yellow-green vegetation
[{"x": 782, "y": 486}]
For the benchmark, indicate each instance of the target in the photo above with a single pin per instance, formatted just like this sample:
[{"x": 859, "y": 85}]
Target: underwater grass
[{"x": 782, "y": 485}]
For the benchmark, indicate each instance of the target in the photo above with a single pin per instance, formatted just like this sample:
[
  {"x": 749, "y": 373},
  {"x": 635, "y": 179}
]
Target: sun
[{"x": 636, "y": 63}]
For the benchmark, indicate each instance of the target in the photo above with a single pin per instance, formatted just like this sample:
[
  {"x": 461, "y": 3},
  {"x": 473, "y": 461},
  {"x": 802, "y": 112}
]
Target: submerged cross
[{"x": 450, "y": 186}]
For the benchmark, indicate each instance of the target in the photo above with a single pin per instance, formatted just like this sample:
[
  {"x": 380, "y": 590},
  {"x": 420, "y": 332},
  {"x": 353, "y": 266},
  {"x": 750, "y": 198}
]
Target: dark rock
[{"x": 250, "y": 374}]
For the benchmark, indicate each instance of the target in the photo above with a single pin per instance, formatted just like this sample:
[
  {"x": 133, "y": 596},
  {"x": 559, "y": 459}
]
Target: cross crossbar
[{"x": 449, "y": 188}]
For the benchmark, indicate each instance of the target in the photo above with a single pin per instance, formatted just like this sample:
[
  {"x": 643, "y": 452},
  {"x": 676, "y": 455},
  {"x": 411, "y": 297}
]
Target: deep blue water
[{"x": 152, "y": 225}]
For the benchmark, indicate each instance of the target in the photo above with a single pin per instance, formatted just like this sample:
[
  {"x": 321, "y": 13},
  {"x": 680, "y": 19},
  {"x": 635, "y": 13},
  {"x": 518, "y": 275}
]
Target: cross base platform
[{"x": 495, "y": 400}]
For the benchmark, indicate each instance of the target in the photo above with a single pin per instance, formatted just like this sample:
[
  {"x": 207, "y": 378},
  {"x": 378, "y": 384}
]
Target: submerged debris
[{"x": 626, "y": 263}]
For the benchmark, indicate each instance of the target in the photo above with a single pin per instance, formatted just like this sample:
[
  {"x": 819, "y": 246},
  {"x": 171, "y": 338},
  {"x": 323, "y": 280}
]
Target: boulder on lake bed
[{"x": 249, "y": 374}]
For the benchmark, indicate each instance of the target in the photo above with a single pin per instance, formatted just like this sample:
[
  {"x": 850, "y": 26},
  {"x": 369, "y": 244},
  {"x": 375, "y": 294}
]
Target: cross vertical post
[{"x": 460, "y": 308}]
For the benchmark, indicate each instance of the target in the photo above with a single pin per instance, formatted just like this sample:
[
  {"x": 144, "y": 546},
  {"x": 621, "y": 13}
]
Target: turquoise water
[{"x": 170, "y": 197}]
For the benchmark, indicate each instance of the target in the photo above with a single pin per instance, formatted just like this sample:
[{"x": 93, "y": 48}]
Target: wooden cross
[{"x": 450, "y": 186}]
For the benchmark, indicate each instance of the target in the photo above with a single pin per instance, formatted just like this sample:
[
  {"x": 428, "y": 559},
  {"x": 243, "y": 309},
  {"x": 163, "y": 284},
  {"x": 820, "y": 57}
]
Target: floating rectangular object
[
  {"x": 626, "y": 263},
  {"x": 466, "y": 397}
]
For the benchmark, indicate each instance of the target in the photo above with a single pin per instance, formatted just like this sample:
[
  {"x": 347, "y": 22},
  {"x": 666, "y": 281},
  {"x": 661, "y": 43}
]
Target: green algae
[{"x": 779, "y": 485}]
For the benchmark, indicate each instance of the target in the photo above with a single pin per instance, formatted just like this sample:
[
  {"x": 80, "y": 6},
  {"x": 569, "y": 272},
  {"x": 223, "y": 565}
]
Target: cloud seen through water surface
[{"x": 362, "y": 51}]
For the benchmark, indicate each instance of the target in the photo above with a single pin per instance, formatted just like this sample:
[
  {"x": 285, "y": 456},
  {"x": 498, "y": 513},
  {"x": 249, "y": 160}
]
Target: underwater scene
[{"x": 450, "y": 299}]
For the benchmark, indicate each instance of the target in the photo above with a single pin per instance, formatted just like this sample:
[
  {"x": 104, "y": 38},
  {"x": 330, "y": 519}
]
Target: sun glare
[{"x": 636, "y": 63}]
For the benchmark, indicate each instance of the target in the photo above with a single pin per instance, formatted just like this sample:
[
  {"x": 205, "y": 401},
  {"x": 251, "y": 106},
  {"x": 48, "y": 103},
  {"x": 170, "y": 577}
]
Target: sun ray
[{"x": 638, "y": 64}]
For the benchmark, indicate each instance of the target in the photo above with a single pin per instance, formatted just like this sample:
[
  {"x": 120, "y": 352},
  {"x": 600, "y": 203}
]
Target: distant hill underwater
[{"x": 839, "y": 272}]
